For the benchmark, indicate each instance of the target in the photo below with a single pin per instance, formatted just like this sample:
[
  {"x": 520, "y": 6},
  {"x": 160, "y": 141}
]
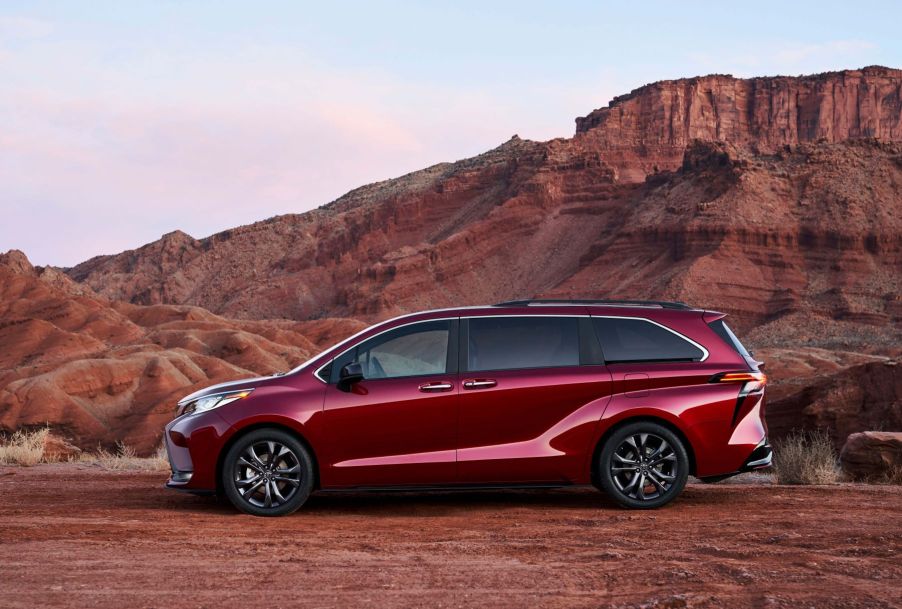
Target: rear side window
[
  {"x": 639, "y": 340},
  {"x": 506, "y": 343},
  {"x": 721, "y": 328}
]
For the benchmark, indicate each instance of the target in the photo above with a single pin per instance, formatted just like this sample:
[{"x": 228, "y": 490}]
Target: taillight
[
  {"x": 739, "y": 377},
  {"x": 750, "y": 383}
]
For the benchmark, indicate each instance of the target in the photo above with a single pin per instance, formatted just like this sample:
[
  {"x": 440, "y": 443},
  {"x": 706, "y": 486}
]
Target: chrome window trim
[{"x": 524, "y": 314}]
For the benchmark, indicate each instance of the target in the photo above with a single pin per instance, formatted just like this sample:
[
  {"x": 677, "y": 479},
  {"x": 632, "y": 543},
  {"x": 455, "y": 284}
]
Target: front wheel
[
  {"x": 643, "y": 465},
  {"x": 268, "y": 472}
]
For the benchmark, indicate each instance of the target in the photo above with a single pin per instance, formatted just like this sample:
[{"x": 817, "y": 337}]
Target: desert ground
[{"x": 80, "y": 535}]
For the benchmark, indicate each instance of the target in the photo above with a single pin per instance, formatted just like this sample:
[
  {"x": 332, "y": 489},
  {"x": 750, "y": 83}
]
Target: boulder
[
  {"x": 871, "y": 455},
  {"x": 59, "y": 449}
]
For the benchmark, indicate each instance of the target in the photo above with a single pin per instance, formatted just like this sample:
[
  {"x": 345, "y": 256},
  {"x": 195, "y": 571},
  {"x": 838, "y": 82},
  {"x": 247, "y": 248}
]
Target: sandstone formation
[
  {"x": 860, "y": 397},
  {"x": 100, "y": 372},
  {"x": 648, "y": 129},
  {"x": 873, "y": 455},
  {"x": 776, "y": 200},
  {"x": 757, "y": 230}
]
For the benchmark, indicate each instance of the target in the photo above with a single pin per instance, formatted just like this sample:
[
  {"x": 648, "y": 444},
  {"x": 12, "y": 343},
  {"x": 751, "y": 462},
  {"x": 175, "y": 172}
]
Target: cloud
[
  {"x": 24, "y": 27},
  {"x": 786, "y": 58},
  {"x": 794, "y": 54}
]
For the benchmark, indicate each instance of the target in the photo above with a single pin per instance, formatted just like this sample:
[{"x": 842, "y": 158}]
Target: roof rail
[{"x": 664, "y": 304}]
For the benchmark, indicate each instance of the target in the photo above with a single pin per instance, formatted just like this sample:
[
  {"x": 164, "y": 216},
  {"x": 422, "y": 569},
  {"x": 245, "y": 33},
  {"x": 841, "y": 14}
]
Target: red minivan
[{"x": 631, "y": 396}]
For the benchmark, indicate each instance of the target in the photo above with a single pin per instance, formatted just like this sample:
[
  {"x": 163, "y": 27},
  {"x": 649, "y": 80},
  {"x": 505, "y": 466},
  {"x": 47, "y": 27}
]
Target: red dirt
[{"x": 76, "y": 535}]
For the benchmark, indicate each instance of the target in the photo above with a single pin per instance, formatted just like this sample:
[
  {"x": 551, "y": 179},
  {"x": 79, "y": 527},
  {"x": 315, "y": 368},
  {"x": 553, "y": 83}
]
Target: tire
[
  {"x": 643, "y": 484},
  {"x": 264, "y": 486}
]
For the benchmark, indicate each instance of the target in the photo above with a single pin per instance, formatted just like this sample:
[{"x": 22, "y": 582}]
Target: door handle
[
  {"x": 479, "y": 383},
  {"x": 436, "y": 386}
]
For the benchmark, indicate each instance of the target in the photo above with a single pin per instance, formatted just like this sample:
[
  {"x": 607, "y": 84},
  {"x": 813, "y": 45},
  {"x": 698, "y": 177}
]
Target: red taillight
[{"x": 739, "y": 377}]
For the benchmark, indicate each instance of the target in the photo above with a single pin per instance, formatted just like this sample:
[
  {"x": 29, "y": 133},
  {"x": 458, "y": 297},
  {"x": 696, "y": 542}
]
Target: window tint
[
  {"x": 637, "y": 340},
  {"x": 414, "y": 350},
  {"x": 505, "y": 343}
]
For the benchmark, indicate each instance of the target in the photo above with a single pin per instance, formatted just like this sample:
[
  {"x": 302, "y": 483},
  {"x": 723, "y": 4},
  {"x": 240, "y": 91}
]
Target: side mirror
[{"x": 350, "y": 374}]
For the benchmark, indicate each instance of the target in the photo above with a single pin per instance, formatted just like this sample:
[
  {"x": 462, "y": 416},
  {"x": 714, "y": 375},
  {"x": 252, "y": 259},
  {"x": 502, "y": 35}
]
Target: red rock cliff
[{"x": 650, "y": 127}]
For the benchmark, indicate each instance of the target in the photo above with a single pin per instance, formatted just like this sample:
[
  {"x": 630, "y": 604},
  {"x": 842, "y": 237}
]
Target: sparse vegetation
[
  {"x": 23, "y": 447},
  {"x": 123, "y": 458},
  {"x": 805, "y": 457},
  {"x": 893, "y": 476},
  {"x": 26, "y": 448}
]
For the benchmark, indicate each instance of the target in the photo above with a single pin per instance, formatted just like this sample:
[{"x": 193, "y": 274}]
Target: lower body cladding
[{"x": 193, "y": 444}]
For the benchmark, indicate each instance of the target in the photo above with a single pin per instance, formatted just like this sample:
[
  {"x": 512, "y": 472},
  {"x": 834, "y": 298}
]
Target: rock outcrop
[
  {"x": 648, "y": 129},
  {"x": 858, "y": 398},
  {"x": 873, "y": 455}
]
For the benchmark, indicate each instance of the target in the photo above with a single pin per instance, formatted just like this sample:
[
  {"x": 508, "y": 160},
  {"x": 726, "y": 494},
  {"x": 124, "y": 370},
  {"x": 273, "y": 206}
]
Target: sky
[{"x": 122, "y": 121}]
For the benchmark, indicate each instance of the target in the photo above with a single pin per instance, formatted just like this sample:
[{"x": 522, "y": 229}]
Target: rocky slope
[
  {"x": 777, "y": 200},
  {"x": 759, "y": 214},
  {"x": 102, "y": 372}
]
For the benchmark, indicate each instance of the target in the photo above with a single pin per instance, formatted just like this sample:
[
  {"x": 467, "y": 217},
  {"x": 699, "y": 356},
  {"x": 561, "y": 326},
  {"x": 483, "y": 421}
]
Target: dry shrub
[
  {"x": 893, "y": 475},
  {"x": 23, "y": 447},
  {"x": 806, "y": 457},
  {"x": 123, "y": 458}
]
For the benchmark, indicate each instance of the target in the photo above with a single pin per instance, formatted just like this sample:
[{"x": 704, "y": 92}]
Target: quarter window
[
  {"x": 639, "y": 340},
  {"x": 506, "y": 343}
]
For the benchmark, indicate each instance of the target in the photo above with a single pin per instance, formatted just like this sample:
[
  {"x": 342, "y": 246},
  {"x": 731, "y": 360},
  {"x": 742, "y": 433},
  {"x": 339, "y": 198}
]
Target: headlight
[{"x": 209, "y": 402}]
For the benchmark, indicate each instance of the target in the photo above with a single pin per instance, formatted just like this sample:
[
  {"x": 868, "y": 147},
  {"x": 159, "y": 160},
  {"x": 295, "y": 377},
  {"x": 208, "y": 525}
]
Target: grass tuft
[
  {"x": 26, "y": 448},
  {"x": 806, "y": 457},
  {"x": 23, "y": 447},
  {"x": 123, "y": 458}
]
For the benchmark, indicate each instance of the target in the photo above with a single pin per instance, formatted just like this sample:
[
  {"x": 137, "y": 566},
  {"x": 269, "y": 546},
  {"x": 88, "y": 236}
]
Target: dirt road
[{"x": 77, "y": 535}]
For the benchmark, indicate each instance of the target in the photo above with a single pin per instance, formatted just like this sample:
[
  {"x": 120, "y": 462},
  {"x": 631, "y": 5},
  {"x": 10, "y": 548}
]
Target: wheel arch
[
  {"x": 265, "y": 425},
  {"x": 599, "y": 445}
]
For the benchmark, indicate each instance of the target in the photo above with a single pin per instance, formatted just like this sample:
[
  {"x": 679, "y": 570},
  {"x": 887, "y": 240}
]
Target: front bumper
[{"x": 193, "y": 444}]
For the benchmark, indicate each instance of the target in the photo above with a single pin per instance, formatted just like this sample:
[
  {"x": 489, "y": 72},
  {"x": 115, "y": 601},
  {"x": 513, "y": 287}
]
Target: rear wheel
[
  {"x": 268, "y": 472},
  {"x": 643, "y": 465}
]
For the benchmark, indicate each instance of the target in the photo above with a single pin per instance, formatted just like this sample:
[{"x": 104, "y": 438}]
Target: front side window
[
  {"x": 639, "y": 340},
  {"x": 414, "y": 350},
  {"x": 507, "y": 343}
]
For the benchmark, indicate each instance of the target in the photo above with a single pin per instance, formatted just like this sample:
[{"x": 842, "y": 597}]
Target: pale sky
[{"x": 121, "y": 121}]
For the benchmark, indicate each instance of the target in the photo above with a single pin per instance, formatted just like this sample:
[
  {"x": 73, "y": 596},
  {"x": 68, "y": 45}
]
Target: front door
[{"x": 398, "y": 426}]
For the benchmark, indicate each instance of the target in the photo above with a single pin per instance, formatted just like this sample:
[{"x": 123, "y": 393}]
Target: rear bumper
[{"x": 761, "y": 457}]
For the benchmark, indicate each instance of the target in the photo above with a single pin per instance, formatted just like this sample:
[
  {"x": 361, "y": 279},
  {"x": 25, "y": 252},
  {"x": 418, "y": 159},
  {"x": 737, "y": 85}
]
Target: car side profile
[{"x": 630, "y": 396}]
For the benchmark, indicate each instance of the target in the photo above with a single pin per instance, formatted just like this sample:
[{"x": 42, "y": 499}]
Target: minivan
[{"x": 632, "y": 397}]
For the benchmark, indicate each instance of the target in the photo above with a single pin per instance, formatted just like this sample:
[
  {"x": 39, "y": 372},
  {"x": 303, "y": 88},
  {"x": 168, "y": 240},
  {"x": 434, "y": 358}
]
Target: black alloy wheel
[
  {"x": 643, "y": 465},
  {"x": 268, "y": 472}
]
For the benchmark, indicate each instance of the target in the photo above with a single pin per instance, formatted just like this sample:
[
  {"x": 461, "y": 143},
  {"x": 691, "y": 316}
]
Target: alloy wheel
[
  {"x": 267, "y": 474},
  {"x": 644, "y": 466}
]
